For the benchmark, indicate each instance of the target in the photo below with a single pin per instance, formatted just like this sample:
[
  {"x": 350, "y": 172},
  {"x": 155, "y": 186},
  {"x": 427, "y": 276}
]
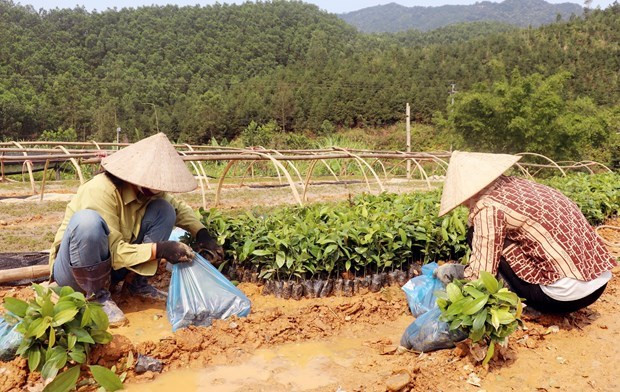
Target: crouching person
[
  {"x": 532, "y": 236},
  {"x": 116, "y": 228}
]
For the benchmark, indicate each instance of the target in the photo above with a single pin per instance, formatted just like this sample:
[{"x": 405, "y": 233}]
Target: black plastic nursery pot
[{"x": 325, "y": 287}]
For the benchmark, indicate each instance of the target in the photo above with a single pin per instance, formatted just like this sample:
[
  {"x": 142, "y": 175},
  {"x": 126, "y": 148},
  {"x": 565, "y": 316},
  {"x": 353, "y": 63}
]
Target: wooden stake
[{"x": 408, "y": 140}]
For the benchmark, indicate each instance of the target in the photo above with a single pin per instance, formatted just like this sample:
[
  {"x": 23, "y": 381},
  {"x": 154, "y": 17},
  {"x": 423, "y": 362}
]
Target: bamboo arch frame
[
  {"x": 359, "y": 161},
  {"x": 28, "y": 164},
  {"x": 75, "y": 164},
  {"x": 274, "y": 161},
  {"x": 200, "y": 181},
  {"x": 30, "y": 158},
  {"x": 202, "y": 170},
  {"x": 553, "y": 163}
]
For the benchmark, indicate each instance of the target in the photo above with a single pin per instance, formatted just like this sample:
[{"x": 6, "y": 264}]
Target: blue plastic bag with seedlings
[
  {"x": 9, "y": 339},
  {"x": 428, "y": 333},
  {"x": 199, "y": 294},
  {"x": 420, "y": 291}
]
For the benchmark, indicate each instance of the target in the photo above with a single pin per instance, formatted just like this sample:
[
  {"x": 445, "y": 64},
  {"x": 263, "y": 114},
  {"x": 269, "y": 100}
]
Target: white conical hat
[
  {"x": 469, "y": 173},
  {"x": 151, "y": 163}
]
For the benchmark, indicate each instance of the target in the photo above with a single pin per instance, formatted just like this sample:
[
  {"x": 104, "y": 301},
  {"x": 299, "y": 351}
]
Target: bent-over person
[
  {"x": 531, "y": 235},
  {"x": 116, "y": 228}
]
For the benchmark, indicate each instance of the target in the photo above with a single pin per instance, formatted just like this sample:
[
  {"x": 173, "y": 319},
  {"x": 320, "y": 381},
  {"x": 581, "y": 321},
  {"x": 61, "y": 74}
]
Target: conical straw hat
[
  {"x": 469, "y": 173},
  {"x": 151, "y": 163}
]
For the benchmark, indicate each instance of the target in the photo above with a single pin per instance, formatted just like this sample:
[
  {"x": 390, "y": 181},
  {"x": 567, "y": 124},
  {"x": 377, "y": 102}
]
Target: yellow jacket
[{"x": 123, "y": 209}]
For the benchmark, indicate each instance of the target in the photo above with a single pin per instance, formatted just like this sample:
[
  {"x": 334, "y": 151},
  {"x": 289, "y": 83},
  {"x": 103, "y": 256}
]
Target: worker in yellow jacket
[{"x": 120, "y": 222}]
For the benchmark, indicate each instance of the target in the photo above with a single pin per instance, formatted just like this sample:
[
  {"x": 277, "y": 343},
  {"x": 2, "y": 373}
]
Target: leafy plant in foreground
[
  {"x": 57, "y": 331},
  {"x": 483, "y": 308}
]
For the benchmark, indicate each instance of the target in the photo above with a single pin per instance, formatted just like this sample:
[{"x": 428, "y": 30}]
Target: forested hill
[
  {"x": 394, "y": 17},
  {"x": 203, "y": 72}
]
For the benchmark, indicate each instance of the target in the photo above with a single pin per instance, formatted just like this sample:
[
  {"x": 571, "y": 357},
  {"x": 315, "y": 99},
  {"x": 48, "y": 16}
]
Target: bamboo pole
[{"x": 32, "y": 272}]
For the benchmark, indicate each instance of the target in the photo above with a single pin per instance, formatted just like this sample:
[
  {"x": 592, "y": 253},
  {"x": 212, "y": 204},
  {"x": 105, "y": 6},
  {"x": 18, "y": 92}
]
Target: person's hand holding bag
[
  {"x": 174, "y": 252},
  {"x": 205, "y": 242}
]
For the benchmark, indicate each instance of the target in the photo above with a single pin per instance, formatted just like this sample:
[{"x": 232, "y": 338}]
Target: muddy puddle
[
  {"x": 301, "y": 366},
  {"x": 147, "y": 321}
]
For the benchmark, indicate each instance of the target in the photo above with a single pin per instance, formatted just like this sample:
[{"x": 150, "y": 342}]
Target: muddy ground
[{"x": 344, "y": 344}]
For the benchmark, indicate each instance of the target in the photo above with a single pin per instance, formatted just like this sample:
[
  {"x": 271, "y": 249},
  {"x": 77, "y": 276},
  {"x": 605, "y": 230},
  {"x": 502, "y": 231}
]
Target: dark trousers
[
  {"x": 537, "y": 299},
  {"x": 533, "y": 294},
  {"x": 85, "y": 242}
]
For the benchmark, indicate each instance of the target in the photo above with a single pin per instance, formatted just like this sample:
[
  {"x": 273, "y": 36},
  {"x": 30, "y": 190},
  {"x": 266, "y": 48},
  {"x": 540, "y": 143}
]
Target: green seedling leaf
[
  {"x": 494, "y": 318},
  {"x": 106, "y": 378},
  {"x": 39, "y": 290},
  {"x": 472, "y": 291},
  {"x": 86, "y": 316},
  {"x": 71, "y": 340},
  {"x": 480, "y": 320},
  {"x": 64, "y": 304},
  {"x": 99, "y": 317},
  {"x": 38, "y": 327},
  {"x": 82, "y": 335},
  {"x": 507, "y": 296},
  {"x": 490, "y": 352},
  {"x": 16, "y": 306},
  {"x": 47, "y": 308},
  {"x": 457, "y": 307},
  {"x": 49, "y": 370},
  {"x": 489, "y": 282},
  {"x": 78, "y": 296},
  {"x": 475, "y": 305},
  {"x": 65, "y": 381},
  {"x": 101, "y": 337},
  {"x": 454, "y": 293},
  {"x": 64, "y": 316},
  {"x": 78, "y": 356},
  {"x": 456, "y": 323},
  {"x": 52, "y": 338},
  {"x": 65, "y": 291},
  {"x": 34, "y": 358},
  {"x": 505, "y": 317},
  {"x": 262, "y": 252}
]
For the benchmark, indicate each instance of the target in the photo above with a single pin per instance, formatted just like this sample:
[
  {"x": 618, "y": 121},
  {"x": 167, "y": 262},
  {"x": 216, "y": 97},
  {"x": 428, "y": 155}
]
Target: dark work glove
[
  {"x": 448, "y": 272},
  {"x": 174, "y": 252},
  {"x": 209, "y": 244}
]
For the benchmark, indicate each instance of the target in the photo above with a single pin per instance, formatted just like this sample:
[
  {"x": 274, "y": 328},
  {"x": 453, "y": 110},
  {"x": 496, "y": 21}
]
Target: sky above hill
[{"x": 338, "y": 6}]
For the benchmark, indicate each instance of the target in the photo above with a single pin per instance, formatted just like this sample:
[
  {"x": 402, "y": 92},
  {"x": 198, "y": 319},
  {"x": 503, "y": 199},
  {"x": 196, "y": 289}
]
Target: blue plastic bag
[
  {"x": 420, "y": 290},
  {"x": 199, "y": 293},
  {"x": 428, "y": 333},
  {"x": 9, "y": 340}
]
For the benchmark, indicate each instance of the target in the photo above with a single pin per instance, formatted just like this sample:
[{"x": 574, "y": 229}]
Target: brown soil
[
  {"x": 351, "y": 343},
  {"x": 338, "y": 343}
]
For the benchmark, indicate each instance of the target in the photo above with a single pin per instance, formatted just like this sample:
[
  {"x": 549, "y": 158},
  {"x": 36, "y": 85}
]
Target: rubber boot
[
  {"x": 140, "y": 287},
  {"x": 94, "y": 280},
  {"x": 116, "y": 317}
]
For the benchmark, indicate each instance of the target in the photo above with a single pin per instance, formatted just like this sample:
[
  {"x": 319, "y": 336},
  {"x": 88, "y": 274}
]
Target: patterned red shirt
[{"x": 540, "y": 232}]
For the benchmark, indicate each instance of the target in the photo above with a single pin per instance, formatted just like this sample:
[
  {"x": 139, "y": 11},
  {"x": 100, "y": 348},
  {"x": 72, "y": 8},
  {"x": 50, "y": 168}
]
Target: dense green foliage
[
  {"x": 365, "y": 235},
  {"x": 394, "y": 17},
  {"x": 199, "y": 73},
  {"x": 372, "y": 233},
  {"x": 483, "y": 308},
  {"x": 597, "y": 196},
  {"x": 533, "y": 114}
]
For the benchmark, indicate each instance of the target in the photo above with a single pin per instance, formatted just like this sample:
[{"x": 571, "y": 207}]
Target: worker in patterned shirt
[{"x": 532, "y": 235}]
